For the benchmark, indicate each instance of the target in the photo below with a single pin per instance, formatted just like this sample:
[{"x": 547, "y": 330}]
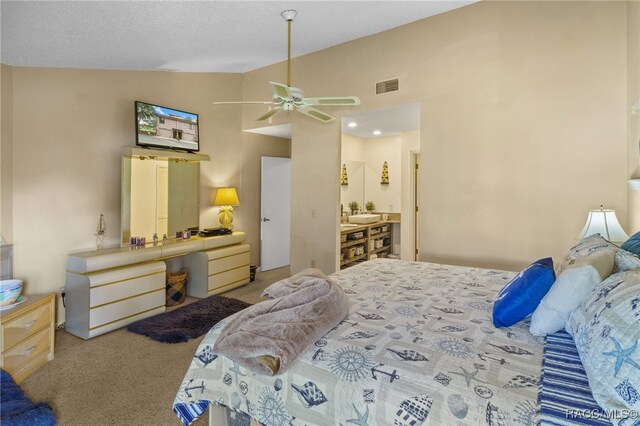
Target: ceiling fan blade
[
  {"x": 280, "y": 90},
  {"x": 332, "y": 101},
  {"x": 243, "y": 102},
  {"x": 269, "y": 114},
  {"x": 315, "y": 113}
]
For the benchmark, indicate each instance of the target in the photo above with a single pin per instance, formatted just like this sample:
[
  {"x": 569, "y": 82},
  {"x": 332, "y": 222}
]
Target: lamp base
[{"x": 225, "y": 216}]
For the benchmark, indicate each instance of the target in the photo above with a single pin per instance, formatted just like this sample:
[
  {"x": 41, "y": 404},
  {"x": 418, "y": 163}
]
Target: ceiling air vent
[{"x": 387, "y": 86}]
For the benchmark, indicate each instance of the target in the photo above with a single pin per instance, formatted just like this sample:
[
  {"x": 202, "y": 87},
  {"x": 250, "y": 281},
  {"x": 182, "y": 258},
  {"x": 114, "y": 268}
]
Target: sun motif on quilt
[
  {"x": 271, "y": 409},
  {"x": 453, "y": 347},
  {"x": 407, "y": 311},
  {"x": 350, "y": 363}
]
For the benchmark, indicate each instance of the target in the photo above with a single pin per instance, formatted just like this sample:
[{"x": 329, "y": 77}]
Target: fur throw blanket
[{"x": 268, "y": 337}]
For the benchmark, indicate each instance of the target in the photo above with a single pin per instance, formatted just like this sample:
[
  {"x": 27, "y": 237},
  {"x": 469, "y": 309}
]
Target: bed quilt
[{"x": 417, "y": 348}]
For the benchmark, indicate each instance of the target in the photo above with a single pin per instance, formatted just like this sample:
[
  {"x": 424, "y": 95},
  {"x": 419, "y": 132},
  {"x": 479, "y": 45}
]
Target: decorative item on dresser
[
  {"x": 111, "y": 288},
  {"x": 226, "y": 198},
  {"x": 27, "y": 335}
]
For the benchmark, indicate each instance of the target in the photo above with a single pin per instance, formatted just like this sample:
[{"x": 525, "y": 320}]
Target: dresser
[
  {"x": 27, "y": 335},
  {"x": 216, "y": 271},
  {"x": 108, "y": 289}
]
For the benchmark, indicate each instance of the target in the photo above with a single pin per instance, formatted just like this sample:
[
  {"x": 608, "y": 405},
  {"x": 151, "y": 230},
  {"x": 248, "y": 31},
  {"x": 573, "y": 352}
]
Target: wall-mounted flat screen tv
[{"x": 162, "y": 127}]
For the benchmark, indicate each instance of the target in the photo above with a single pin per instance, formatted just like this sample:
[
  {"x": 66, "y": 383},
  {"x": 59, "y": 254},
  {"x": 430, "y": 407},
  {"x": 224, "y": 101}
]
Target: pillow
[
  {"x": 606, "y": 330},
  {"x": 520, "y": 297},
  {"x": 626, "y": 261},
  {"x": 632, "y": 244},
  {"x": 586, "y": 247},
  {"x": 573, "y": 285}
]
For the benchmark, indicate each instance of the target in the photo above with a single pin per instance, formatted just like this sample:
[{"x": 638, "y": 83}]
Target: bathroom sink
[{"x": 364, "y": 218}]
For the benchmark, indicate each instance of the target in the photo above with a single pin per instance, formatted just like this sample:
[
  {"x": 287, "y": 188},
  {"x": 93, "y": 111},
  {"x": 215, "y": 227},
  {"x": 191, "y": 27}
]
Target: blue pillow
[
  {"x": 632, "y": 244},
  {"x": 522, "y": 295}
]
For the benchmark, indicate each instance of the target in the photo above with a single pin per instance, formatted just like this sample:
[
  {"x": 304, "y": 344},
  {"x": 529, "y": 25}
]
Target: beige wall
[
  {"x": 315, "y": 201},
  {"x": 6, "y": 153},
  {"x": 67, "y": 155},
  {"x": 633, "y": 95},
  {"x": 387, "y": 198},
  {"x": 523, "y": 129}
]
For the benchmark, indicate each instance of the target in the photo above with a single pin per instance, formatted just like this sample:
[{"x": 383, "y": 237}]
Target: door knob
[{"x": 264, "y": 219}]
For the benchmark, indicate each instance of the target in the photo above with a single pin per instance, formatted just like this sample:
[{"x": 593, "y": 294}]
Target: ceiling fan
[{"x": 289, "y": 98}]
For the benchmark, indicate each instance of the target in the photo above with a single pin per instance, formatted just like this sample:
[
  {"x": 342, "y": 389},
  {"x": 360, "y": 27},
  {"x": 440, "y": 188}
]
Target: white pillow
[{"x": 568, "y": 290}]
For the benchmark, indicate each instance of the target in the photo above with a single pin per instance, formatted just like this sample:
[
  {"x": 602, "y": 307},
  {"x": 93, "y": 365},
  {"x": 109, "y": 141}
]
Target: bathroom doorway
[{"x": 378, "y": 156}]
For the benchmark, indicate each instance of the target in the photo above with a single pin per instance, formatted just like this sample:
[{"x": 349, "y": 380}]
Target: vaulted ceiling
[{"x": 192, "y": 36}]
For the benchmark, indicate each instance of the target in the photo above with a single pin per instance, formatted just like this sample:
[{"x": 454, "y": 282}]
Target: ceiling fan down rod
[{"x": 288, "y": 15}]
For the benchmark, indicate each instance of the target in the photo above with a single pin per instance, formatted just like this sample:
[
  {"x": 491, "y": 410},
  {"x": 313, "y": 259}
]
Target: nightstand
[{"x": 27, "y": 333}]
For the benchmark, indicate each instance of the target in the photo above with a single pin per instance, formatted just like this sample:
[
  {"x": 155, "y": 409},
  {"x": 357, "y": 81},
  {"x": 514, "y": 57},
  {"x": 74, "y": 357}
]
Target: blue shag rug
[
  {"x": 18, "y": 410},
  {"x": 187, "y": 322}
]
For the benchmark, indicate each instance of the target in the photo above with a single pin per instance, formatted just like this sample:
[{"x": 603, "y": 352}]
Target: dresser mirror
[{"x": 159, "y": 196}]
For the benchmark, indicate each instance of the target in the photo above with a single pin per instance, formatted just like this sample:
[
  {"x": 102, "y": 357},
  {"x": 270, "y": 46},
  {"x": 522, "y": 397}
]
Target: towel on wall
[{"x": 268, "y": 337}]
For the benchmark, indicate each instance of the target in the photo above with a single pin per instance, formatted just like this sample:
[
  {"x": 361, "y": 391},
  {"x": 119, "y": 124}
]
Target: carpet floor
[{"x": 122, "y": 378}]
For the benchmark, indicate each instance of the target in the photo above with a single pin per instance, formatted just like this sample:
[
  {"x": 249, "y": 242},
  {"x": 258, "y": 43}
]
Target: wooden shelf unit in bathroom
[{"x": 365, "y": 242}]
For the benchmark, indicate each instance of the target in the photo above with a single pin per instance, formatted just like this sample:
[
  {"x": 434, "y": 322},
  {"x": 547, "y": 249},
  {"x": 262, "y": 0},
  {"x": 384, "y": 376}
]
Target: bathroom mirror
[
  {"x": 372, "y": 139},
  {"x": 159, "y": 195}
]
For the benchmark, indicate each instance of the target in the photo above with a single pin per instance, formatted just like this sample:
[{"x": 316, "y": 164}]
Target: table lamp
[
  {"x": 226, "y": 198},
  {"x": 605, "y": 223}
]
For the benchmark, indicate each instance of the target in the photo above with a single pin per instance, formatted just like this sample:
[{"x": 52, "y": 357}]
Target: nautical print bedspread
[{"x": 418, "y": 347}]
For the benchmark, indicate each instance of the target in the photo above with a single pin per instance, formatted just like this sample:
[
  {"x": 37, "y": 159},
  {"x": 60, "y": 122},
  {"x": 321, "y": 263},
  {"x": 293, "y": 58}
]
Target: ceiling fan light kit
[{"x": 289, "y": 98}]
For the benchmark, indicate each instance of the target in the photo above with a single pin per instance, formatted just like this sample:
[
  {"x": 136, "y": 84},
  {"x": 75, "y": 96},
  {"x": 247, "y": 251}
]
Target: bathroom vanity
[{"x": 364, "y": 242}]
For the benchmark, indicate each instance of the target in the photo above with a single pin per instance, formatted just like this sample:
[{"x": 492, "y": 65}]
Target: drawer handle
[
  {"x": 28, "y": 351},
  {"x": 29, "y": 324}
]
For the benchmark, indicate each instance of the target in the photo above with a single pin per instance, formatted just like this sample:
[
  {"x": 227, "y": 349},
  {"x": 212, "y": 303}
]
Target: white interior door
[{"x": 275, "y": 213}]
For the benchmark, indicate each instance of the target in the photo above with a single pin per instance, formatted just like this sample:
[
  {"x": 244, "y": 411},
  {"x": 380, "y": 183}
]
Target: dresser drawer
[
  {"x": 31, "y": 366},
  {"x": 17, "y": 357},
  {"x": 18, "y": 329},
  {"x": 234, "y": 276},
  {"x": 227, "y": 263},
  {"x": 124, "y": 289},
  {"x": 126, "y": 308}
]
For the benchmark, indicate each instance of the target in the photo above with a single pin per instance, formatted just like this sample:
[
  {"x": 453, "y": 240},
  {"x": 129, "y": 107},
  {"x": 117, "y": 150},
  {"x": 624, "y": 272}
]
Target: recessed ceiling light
[
  {"x": 352, "y": 124},
  {"x": 377, "y": 132}
]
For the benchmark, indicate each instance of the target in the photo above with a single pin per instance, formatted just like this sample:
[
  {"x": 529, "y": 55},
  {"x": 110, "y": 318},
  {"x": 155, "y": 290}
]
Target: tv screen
[{"x": 164, "y": 127}]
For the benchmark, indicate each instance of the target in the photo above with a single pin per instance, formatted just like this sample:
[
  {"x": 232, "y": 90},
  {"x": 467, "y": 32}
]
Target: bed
[{"x": 418, "y": 347}]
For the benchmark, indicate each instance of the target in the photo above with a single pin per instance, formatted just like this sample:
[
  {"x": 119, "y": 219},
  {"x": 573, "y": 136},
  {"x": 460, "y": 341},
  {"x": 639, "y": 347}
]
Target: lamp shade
[
  {"x": 605, "y": 223},
  {"x": 226, "y": 197}
]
